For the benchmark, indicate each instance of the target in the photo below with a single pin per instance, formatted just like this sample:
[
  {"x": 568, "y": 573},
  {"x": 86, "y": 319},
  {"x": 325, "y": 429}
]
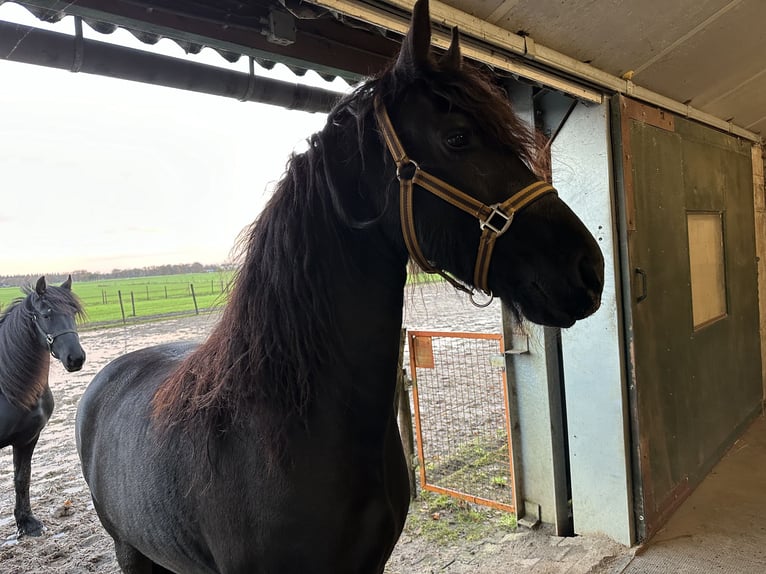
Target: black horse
[
  {"x": 31, "y": 329},
  {"x": 273, "y": 446}
]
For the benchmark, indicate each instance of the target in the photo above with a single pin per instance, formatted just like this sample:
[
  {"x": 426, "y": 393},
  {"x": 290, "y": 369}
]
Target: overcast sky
[{"x": 98, "y": 174}]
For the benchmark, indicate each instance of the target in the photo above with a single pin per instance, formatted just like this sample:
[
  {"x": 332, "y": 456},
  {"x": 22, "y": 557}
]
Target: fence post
[
  {"x": 405, "y": 417},
  {"x": 133, "y": 303},
  {"x": 194, "y": 298},
  {"x": 166, "y": 291},
  {"x": 122, "y": 307}
]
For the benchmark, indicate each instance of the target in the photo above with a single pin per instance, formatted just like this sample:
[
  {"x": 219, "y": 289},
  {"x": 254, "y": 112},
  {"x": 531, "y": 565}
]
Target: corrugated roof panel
[
  {"x": 613, "y": 35},
  {"x": 746, "y": 102},
  {"x": 722, "y": 55},
  {"x": 702, "y": 51}
]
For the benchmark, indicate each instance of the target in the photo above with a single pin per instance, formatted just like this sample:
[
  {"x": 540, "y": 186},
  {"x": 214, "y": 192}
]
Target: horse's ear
[
  {"x": 68, "y": 283},
  {"x": 416, "y": 46},
  {"x": 452, "y": 59},
  {"x": 41, "y": 286}
]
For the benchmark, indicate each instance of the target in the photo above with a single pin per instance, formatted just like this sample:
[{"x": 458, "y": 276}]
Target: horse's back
[
  {"x": 125, "y": 385},
  {"x": 128, "y": 378}
]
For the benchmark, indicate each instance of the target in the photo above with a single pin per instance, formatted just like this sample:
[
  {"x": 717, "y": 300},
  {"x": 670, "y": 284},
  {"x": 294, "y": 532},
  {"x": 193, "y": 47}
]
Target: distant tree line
[{"x": 84, "y": 275}]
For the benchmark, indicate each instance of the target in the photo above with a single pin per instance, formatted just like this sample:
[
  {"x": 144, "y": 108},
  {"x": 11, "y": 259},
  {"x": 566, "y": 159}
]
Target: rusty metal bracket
[{"x": 520, "y": 350}]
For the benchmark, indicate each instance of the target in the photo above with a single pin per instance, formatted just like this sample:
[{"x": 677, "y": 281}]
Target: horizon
[{"x": 74, "y": 272}]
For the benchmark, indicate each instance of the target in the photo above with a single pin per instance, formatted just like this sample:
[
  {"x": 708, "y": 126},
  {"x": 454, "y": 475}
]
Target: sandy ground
[{"x": 75, "y": 542}]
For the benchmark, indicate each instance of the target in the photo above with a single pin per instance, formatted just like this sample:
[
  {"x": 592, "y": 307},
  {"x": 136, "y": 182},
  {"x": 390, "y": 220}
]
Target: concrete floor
[{"x": 721, "y": 527}]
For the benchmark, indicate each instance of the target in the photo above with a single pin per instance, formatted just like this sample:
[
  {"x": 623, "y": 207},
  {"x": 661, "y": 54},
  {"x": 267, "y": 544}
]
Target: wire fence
[
  {"x": 150, "y": 301},
  {"x": 461, "y": 416}
]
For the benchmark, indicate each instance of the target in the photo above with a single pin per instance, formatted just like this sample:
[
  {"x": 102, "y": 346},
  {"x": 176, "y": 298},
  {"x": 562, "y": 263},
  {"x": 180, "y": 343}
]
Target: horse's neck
[
  {"x": 369, "y": 294},
  {"x": 369, "y": 322}
]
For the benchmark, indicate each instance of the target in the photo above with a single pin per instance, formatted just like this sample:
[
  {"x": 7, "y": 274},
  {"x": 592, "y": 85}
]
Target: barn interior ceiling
[{"x": 700, "y": 58}]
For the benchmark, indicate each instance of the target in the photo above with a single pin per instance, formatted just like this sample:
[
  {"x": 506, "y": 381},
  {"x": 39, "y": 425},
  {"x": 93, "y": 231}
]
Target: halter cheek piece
[
  {"x": 50, "y": 337},
  {"x": 494, "y": 220}
]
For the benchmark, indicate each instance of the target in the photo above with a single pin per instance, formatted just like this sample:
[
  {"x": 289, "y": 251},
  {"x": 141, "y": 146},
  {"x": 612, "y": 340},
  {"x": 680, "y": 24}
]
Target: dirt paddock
[{"x": 74, "y": 541}]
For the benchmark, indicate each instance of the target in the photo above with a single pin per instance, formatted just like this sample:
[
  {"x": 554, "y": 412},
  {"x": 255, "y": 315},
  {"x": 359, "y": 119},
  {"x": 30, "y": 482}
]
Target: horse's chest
[{"x": 19, "y": 426}]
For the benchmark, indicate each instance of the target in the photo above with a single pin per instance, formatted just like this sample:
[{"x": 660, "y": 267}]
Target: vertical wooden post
[
  {"x": 404, "y": 417},
  {"x": 122, "y": 307},
  {"x": 194, "y": 298},
  {"x": 133, "y": 303}
]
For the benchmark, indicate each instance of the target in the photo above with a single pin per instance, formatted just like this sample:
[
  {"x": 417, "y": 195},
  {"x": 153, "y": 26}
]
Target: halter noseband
[
  {"x": 494, "y": 220},
  {"x": 50, "y": 337}
]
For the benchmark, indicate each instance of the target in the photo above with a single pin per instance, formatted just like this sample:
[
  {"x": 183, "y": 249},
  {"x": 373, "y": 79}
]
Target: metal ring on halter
[
  {"x": 408, "y": 163},
  {"x": 480, "y": 305}
]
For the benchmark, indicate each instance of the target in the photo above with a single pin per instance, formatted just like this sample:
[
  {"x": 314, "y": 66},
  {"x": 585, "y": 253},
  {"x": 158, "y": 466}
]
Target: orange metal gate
[{"x": 461, "y": 416}]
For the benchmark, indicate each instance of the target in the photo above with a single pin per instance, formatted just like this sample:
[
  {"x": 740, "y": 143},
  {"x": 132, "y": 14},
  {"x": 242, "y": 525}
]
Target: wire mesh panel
[{"x": 461, "y": 416}]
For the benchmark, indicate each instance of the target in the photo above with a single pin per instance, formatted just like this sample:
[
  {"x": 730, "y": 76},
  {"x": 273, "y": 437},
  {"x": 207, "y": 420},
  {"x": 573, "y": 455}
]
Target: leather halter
[
  {"x": 494, "y": 220},
  {"x": 51, "y": 337}
]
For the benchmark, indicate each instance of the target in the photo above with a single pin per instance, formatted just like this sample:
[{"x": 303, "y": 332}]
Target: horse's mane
[
  {"x": 22, "y": 369},
  {"x": 277, "y": 329}
]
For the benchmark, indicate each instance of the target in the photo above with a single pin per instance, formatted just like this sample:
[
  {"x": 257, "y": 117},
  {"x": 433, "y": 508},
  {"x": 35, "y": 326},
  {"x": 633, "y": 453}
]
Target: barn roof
[{"x": 700, "y": 58}]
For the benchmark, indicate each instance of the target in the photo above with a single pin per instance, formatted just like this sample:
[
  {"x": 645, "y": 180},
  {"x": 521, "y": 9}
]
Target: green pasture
[
  {"x": 148, "y": 298},
  {"x": 143, "y": 297}
]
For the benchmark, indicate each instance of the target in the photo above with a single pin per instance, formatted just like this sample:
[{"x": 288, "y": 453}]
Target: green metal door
[{"x": 691, "y": 301}]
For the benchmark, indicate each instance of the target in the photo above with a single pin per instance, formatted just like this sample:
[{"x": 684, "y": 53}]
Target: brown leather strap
[
  {"x": 494, "y": 220},
  {"x": 490, "y": 230},
  {"x": 408, "y": 226}
]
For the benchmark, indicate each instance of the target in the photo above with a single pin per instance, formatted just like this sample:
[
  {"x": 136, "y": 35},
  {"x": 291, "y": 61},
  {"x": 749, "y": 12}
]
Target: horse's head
[
  {"x": 460, "y": 131},
  {"x": 54, "y": 311}
]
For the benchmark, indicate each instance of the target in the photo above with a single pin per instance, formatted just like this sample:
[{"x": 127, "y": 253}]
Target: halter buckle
[{"x": 497, "y": 227}]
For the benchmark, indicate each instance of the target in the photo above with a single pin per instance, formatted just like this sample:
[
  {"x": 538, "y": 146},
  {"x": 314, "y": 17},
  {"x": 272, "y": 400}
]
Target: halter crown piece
[{"x": 494, "y": 220}]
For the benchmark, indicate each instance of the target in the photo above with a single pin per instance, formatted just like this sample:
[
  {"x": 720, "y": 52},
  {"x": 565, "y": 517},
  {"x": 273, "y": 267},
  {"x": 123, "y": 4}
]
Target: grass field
[
  {"x": 147, "y": 298},
  {"x": 143, "y": 297}
]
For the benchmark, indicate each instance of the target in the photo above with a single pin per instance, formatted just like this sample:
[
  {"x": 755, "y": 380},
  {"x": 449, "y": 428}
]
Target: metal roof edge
[{"x": 69, "y": 8}]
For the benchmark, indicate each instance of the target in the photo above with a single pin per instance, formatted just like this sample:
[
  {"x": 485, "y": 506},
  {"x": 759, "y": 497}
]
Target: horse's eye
[{"x": 458, "y": 140}]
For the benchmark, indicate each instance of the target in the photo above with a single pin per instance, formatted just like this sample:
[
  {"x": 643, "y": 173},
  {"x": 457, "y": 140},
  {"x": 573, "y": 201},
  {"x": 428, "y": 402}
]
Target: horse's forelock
[
  {"x": 474, "y": 92},
  {"x": 62, "y": 300}
]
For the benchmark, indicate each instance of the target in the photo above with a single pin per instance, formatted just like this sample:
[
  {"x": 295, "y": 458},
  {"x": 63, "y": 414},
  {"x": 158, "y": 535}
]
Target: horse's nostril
[{"x": 75, "y": 363}]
